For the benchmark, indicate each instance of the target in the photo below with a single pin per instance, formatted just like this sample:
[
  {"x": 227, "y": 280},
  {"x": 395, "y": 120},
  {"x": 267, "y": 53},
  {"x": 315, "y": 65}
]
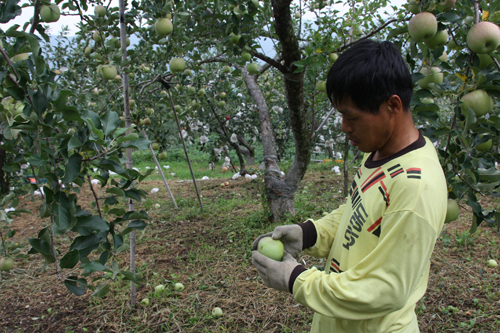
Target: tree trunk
[
  {"x": 248, "y": 151},
  {"x": 4, "y": 178}
]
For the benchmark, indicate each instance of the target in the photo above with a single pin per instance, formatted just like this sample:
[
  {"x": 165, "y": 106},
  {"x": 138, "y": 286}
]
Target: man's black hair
[{"x": 369, "y": 72}]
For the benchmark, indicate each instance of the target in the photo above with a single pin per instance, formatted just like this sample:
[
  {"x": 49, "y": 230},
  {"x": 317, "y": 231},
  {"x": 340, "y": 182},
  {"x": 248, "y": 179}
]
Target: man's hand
[
  {"x": 289, "y": 235},
  {"x": 276, "y": 274}
]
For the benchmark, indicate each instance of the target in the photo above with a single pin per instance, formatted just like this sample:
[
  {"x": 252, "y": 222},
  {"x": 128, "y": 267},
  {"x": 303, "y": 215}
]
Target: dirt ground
[{"x": 202, "y": 250}]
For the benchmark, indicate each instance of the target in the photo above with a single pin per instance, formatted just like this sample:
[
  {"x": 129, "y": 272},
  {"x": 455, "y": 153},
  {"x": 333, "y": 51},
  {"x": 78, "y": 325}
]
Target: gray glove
[
  {"x": 276, "y": 274},
  {"x": 289, "y": 235}
]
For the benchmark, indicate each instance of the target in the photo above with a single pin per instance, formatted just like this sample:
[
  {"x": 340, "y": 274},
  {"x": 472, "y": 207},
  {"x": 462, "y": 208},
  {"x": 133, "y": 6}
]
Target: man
[{"x": 378, "y": 245}]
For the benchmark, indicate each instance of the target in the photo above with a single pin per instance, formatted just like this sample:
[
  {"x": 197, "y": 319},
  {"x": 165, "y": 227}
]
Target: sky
[{"x": 71, "y": 21}]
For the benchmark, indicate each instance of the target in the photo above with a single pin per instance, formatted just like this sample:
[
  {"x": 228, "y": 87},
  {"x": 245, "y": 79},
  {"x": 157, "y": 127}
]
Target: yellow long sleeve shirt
[{"x": 378, "y": 246}]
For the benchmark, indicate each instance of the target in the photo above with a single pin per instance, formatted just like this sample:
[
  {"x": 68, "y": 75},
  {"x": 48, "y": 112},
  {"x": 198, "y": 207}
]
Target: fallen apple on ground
[
  {"x": 178, "y": 286},
  {"x": 217, "y": 312}
]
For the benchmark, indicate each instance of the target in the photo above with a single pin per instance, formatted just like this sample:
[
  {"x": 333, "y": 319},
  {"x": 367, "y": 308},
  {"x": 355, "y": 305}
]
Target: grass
[{"x": 209, "y": 252}]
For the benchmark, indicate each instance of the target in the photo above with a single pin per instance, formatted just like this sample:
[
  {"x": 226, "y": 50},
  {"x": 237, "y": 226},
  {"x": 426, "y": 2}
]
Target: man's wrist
[
  {"x": 309, "y": 234},
  {"x": 295, "y": 273}
]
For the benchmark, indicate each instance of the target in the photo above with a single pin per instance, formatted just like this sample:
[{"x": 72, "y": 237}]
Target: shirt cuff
[
  {"x": 309, "y": 234},
  {"x": 295, "y": 273}
]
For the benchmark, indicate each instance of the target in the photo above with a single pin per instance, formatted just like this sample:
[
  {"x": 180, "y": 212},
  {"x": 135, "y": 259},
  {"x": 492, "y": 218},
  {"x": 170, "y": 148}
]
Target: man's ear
[{"x": 394, "y": 104}]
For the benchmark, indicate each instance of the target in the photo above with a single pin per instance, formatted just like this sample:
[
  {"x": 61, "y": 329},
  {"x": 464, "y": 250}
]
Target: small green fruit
[
  {"x": 271, "y": 248},
  {"x": 145, "y": 301},
  {"x": 6, "y": 264},
  {"x": 164, "y": 27},
  {"x": 321, "y": 86},
  {"x": 162, "y": 155},
  {"x": 178, "y": 287},
  {"x": 177, "y": 65},
  {"x": 452, "y": 211},
  {"x": 253, "y": 68},
  {"x": 159, "y": 288},
  {"x": 485, "y": 146},
  {"x": 155, "y": 146},
  {"x": 492, "y": 263},
  {"x": 226, "y": 69},
  {"x": 217, "y": 312},
  {"x": 246, "y": 56}
]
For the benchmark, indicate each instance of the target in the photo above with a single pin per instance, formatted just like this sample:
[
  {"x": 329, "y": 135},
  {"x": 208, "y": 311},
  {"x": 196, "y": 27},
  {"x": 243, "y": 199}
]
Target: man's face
[{"x": 365, "y": 130}]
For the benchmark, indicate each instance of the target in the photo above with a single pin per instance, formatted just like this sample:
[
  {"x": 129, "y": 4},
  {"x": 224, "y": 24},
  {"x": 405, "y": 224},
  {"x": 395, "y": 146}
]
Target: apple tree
[{"x": 69, "y": 145}]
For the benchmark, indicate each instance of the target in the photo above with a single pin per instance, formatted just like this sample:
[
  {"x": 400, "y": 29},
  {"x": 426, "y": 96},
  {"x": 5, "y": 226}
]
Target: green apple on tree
[
  {"x": 484, "y": 37},
  {"x": 413, "y": 7},
  {"x": 485, "y": 146},
  {"x": 439, "y": 40},
  {"x": 131, "y": 103},
  {"x": 253, "y": 68},
  {"x": 333, "y": 57},
  {"x": 150, "y": 111},
  {"x": 222, "y": 94},
  {"x": 162, "y": 155},
  {"x": 164, "y": 27},
  {"x": 235, "y": 39},
  {"x": 100, "y": 11},
  {"x": 108, "y": 72},
  {"x": 97, "y": 36},
  {"x": 321, "y": 86},
  {"x": 191, "y": 89},
  {"x": 427, "y": 100},
  {"x": 479, "y": 101},
  {"x": 222, "y": 104},
  {"x": 188, "y": 72},
  {"x": 146, "y": 121},
  {"x": 155, "y": 146},
  {"x": 245, "y": 55},
  {"x": 177, "y": 65},
  {"x": 49, "y": 13},
  {"x": 422, "y": 27},
  {"x": 177, "y": 108},
  {"x": 452, "y": 211},
  {"x": 271, "y": 248},
  {"x": 226, "y": 69},
  {"x": 447, "y": 4},
  {"x": 432, "y": 77},
  {"x": 485, "y": 60}
]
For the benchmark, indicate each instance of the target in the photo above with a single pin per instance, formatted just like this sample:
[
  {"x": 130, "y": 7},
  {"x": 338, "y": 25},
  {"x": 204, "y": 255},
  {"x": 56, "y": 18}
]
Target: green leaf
[
  {"x": 85, "y": 242},
  {"x": 109, "y": 122},
  {"x": 70, "y": 259},
  {"x": 117, "y": 211},
  {"x": 75, "y": 285},
  {"x": 44, "y": 210},
  {"x": 116, "y": 190},
  {"x": 40, "y": 101},
  {"x": 74, "y": 142},
  {"x": 136, "y": 215},
  {"x": 130, "y": 137},
  {"x": 9, "y": 10},
  {"x": 60, "y": 104},
  {"x": 11, "y": 167},
  {"x": 101, "y": 290},
  {"x": 63, "y": 210},
  {"x": 73, "y": 168},
  {"x": 93, "y": 266},
  {"x": 130, "y": 276},
  {"x": 87, "y": 225},
  {"x": 95, "y": 130}
]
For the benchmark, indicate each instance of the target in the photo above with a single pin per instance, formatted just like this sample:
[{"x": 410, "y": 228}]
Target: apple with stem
[
  {"x": 108, "y": 72},
  {"x": 321, "y": 86},
  {"x": 422, "y": 27},
  {"x": 439, "y": 40},
  {"x": 164, "y": 27},
  {"x": 49, "y": 13},
  {"x": 177, "y": 65},
  {"x": 479, "y": 101},
  {"x": 100, "y": 11},
  {"x": 483, "y": 37}
]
